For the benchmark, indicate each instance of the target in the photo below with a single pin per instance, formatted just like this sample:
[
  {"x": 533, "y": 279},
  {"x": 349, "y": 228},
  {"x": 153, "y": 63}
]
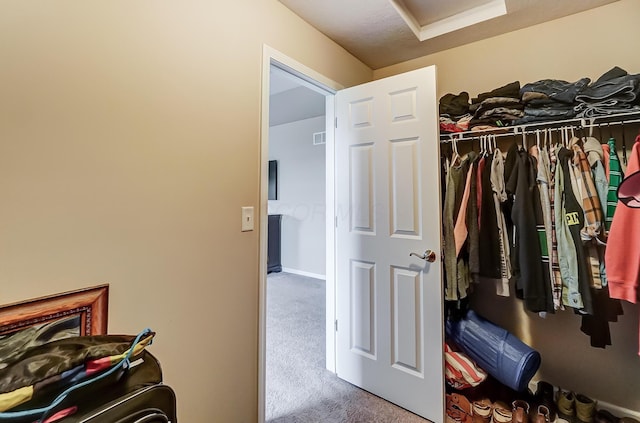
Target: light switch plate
[{"x": 247, "y": 219}]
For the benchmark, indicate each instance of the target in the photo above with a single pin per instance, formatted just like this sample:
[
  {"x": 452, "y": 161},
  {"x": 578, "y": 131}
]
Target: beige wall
[
  {"x": 129, "y": 140},
  {"x": 587, "y": 44}
]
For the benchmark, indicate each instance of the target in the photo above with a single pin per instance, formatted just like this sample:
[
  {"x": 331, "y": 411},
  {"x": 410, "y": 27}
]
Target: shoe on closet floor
[
  {"x": 585, "y": 408},
  {"x": 566, "y": 406},
  {"x": 605, "y": 416},
  {"x": 482, "y": 411},
  {"x": 459, "y": 408},
  {"x": 520, "y": 411},
  {"x": 542, "y": 415},
  {"x": 501, "y": 413},
  {"x": 545, "y": 396}
]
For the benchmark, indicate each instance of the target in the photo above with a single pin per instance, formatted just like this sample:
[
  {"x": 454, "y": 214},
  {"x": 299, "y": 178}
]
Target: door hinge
[
  {"x": 336, "y": 121},
  {"x": 336, "y": 220},
  {"x": 336, "y": 324}
]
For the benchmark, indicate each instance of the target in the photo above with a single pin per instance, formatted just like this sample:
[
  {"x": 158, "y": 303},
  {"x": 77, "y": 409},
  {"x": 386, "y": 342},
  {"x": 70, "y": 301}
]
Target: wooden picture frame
[{"x": 89, "y": 304}]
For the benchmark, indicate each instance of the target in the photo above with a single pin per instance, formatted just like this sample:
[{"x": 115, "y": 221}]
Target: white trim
[
  {"x": 303, "y": 273},
  {"x": 262, "y": 236},
  {"x": 616, "y": 410},
  {"x": 326, "y": 86},
  {"x": 331, "y": 213},
  {"x": 407, "y": 16},
  {"x": 461, "y": 20},
  {"x": 464, "y": 19},
  {"x": 321, "y": 83}
]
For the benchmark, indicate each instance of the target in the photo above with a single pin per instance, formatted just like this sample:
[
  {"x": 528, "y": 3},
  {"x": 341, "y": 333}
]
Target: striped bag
[{"x": 460, "y": 371}]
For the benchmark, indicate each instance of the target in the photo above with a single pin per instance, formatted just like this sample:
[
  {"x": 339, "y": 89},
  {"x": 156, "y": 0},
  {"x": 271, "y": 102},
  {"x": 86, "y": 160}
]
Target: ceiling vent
[{"x": 319, "y": 138}]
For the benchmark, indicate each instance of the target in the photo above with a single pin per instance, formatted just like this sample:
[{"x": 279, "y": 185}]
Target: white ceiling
[{"x": 385, "y": 32}]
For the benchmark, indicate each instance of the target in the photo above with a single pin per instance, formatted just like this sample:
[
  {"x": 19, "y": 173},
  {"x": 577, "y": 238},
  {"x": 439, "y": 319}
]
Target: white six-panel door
[{"x": 389, "y": 335}]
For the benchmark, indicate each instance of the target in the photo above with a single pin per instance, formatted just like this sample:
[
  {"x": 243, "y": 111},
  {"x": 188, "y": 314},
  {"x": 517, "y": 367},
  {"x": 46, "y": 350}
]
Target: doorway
[
  {"x": 411, "y": 299},
  {"x": 297, "y": 162},
  {"x": 295, "y": 309},
  {"x": 310, "y": 85}
]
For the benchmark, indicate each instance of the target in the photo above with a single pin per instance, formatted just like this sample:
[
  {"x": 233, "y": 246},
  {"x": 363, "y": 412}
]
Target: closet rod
[
  {"x": 557, "y": 124},
  {"x": 468, "y": 137},
  {"x": 622, "y": 122}
]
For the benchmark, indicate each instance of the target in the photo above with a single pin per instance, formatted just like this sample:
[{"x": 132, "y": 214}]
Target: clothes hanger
[
  {"x": 487, "y": 145},
  {"x": 455, "y": 157},
  {"x": 600, "y": 132},
  {"x": 545, "y": 140},
  {"x": 611, "y": 137},
  {"x": 561, "y": 136},
  {"x": 585, "y": 125},
  {"x": 585, "y": 135},
  {"x": 494, "y": 146}
]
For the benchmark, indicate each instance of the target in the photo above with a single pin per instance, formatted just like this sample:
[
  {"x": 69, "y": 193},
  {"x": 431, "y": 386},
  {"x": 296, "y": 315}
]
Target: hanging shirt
[
  {"x": 589, "y": 196},
  {"x": 460, "y": 230},
  {"x": 499, "y": 197},
  {"x": 615, "y": 177},
  {"x": 473, "y": 239},
  {"x": 574, "y": 219},
  {"x": 593, "y": 217},
  {"x": 556, "y": 278},
  {"x": 481, "y": 164},
  {"x": 521, "y": 185},
  {"x": 622, "y": 258},
  {"x": 567, "y": 255},
  {"x": 545, "y": 278},
  {"x": 490, "y": 262},
  {"x": 456, "y": 269},
  {"x": 544, "y": 182},
  {"x": 602, "y": 186},
  {"x": 623, "y": 246},
  {"x": 606, "y": 153}
]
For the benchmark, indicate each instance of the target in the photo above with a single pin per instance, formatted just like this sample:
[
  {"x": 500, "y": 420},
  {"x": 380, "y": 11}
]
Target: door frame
[{"x": 323, "y": 85}]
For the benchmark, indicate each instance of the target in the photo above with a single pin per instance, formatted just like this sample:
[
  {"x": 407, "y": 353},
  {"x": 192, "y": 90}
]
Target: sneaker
[
  {"x": 585, "y": 408},
  {"x": 566, "y": 405}
]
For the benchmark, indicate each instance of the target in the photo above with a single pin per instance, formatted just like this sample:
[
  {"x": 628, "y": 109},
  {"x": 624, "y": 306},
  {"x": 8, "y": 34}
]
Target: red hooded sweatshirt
[{"x": 622, "y": 257}]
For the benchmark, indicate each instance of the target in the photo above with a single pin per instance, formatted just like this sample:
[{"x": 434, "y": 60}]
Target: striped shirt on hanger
[{"x": 615, "y": 178}]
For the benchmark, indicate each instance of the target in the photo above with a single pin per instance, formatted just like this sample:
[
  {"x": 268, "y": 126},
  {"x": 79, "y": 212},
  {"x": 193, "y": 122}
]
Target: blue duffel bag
[{"x": 495, "y": 350}]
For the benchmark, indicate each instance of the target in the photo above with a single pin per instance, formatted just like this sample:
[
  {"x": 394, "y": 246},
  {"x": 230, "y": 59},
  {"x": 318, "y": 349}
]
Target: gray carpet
[{"x": 299, "y": 389}]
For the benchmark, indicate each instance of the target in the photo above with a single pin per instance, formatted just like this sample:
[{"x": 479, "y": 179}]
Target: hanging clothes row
[{"x": 535, "y": 221}]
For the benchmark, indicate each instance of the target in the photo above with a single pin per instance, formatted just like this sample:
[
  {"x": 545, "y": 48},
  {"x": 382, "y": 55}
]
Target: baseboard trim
[
  {"x": 303, "y": 273},
  {"x": 616, "y": 410}
]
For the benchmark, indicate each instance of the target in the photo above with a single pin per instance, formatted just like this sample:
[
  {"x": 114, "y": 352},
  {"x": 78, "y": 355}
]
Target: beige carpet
[{"x": 298, "y": 387}]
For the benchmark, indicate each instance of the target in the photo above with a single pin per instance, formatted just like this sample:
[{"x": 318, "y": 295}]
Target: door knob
[{"x": 428, "y": 255}]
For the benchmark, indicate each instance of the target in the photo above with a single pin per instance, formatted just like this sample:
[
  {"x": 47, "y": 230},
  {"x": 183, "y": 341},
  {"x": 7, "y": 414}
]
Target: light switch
[{"x": 247, "y": 219}]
